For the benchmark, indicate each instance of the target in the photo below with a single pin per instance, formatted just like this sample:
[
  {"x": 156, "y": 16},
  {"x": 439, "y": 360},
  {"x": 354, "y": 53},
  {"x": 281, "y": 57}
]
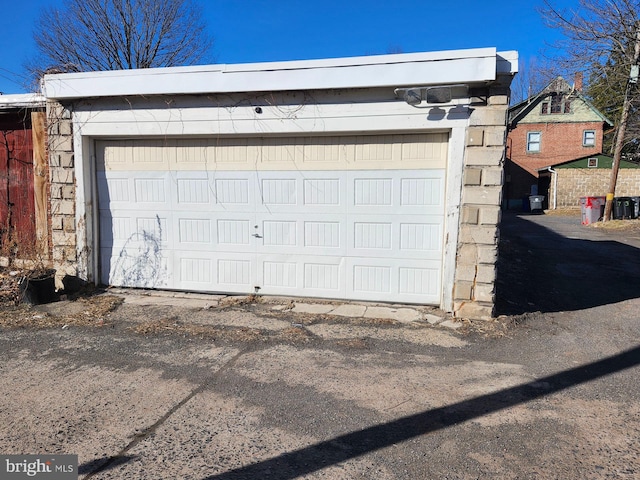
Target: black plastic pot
[{"x": 39, "y": 287}]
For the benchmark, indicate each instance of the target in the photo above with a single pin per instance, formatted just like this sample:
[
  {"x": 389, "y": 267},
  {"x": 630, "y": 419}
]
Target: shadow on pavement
[
  {"x": 103, "y": 464},
  {"x": 540, "y": 270},
  {"x": 351, "y": 445}
]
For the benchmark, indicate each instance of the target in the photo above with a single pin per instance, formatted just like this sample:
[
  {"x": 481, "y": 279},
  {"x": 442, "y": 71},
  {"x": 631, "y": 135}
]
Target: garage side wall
[
  {"x": 474, "y": 287},
  {"x": 574, "y": 183}
]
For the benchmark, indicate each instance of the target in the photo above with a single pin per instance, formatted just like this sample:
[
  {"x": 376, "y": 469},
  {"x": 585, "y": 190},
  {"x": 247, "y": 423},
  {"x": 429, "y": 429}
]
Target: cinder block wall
[
  {"x": 474, "y": 288},
  {"x": 574, "y": 183},
  {"x": 63, "y": 188}
]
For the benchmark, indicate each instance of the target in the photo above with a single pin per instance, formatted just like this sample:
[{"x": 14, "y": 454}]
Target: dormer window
[{"x": 556, "y": 103}]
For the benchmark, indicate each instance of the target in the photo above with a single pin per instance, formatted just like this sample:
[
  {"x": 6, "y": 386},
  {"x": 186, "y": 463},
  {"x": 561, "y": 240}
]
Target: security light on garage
[
  {"x": 413, "y": 96},
  {"x": 438, "y": 95},
  {"x": 431, "y": 95}
]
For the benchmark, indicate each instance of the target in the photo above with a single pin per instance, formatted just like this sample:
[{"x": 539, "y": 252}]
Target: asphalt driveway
[{"x": 243, "y": 391}]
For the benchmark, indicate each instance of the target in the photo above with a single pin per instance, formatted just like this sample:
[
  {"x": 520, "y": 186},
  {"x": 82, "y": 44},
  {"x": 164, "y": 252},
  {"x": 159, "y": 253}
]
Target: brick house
[
  {"x": 368, "y": 178},
  {"x": 552, "y": 127}
]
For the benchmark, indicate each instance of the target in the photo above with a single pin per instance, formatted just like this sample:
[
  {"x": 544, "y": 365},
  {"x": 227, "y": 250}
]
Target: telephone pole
[{"x": 624, "y": 116}]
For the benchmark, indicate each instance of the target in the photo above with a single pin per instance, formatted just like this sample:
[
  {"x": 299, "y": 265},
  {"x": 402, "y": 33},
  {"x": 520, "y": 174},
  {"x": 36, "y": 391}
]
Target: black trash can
[
  {"x": 623, "y": 208},
  {"x": 535, "y": 203},
  {"x": 636, "y": 207}
]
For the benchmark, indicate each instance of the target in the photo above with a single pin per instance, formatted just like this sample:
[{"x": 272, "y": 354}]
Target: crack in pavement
[{"x": 121, "y": 456}]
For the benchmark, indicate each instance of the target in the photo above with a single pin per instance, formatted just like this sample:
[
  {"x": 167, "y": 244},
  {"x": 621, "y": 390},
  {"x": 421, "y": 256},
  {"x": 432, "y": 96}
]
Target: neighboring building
[
  {"x": 23, "y": 179},
  {"x": 589, "y": 177},
  {"x": 369, "y": 178},
  {"x": 554, "y": 126}
]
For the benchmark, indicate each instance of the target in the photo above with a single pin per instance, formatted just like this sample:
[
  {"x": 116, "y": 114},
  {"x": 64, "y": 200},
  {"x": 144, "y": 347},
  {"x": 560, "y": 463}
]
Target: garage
[
  {"x": 374, "y": 178},
  {"x": 350, "y": 217}
]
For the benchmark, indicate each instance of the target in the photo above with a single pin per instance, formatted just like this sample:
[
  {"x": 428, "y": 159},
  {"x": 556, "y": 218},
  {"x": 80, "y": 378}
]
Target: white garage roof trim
[{"x": 434, "y": 68}]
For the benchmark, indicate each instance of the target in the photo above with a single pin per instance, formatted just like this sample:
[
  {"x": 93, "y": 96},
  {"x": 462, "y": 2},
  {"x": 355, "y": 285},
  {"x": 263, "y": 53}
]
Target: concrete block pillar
[
  {"x": 63, "y": 184},
  {"x": 474, "y": 288}
]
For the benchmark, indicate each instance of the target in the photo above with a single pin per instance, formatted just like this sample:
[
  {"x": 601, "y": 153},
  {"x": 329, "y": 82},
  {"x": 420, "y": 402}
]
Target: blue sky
[{"x": 273, "y": 30}]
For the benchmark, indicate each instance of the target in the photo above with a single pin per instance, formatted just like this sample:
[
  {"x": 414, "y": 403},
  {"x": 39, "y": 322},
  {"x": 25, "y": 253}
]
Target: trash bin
[
  {"x": 592, "y": 209},
  {"x": 623, "y": 208},
  {"x": 535, "y": 202},
  {"x": 636, "y": 207}
]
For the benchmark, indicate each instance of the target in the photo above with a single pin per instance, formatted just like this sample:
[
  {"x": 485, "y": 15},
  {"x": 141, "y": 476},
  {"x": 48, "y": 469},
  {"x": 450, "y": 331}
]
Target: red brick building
[{"x": 554, "y": 126}]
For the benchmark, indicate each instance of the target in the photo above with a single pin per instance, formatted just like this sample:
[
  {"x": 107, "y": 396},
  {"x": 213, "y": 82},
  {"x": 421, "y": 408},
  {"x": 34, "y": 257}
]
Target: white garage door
[{"x": 358, "y": 217}]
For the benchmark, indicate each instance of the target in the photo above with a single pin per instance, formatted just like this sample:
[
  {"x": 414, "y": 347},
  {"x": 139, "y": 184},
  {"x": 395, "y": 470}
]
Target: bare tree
[
  {"x": 93, "y": 35},
  {"x": 602, "y": 39},
  {"x": 532, "y": 77}
]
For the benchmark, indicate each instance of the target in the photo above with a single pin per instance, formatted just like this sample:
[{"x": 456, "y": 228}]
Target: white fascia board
[
  {"x": 432, "y": 68},
  {"x": 507, "y": 62},
  {"x": 22, "y": 100}
]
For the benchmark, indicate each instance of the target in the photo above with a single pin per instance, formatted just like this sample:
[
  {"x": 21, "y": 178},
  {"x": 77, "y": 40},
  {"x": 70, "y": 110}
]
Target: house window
[
  {"x": 589, "y": 138},
  {"x": 533, "y": 142},
  {"x": 556, "y": 103},
  {"x": 592, "y": 162}
]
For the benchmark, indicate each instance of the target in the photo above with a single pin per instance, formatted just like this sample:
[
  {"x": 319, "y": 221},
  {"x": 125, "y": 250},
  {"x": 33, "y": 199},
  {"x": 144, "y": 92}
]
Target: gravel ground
[{"x": 547, "y": 391}]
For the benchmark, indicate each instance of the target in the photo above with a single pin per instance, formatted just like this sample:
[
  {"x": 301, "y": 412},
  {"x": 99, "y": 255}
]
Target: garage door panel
[
  {"x": 371, "y": 235},
  {"x": 139, "y": 227},
  {"x": 192, "y": 190},
  {"x": 422, "y": 191},
  {"x": 235, "y": 233},
  {"x": 235, "y": 192},
  {"x": 279, "y": 275},
  {"x": 148, "y": 192},
  {"x": 358, "y": 217},
  {"x": 322, "y": 276},
  {"x": 114, "y": 230},
  {"x": 420, "y": 239},
  {"x": 313, "y": 235},
  {"x": 417, "y": 281},
  {"x": 397, "y": 192},
  {"x": 214, "y": 191},
  {"x": 117, "y": 189},
  {"x": 372, "y": 190},
  {"x": 137, "y": 265},
  {"x": 195, "y": 271},
  {"x": 214, "y": 272},
  {"x": 326, "y": 192},
  {"x": 235, "y": 274},
  {"x": 324, "y": 235},
  {"x": 194, "y": 230},
  {"x": 301, "y": 192},
  {"x": 394, "y": 236},
  {"x": 408, "y": 281}
]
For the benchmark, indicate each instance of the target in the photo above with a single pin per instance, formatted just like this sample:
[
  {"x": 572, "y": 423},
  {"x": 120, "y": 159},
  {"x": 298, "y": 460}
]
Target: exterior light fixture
[
  {"x": 431, "y": 95},
  {"x": 439, "y": 95},
  {"x": 413, "y": 96}
]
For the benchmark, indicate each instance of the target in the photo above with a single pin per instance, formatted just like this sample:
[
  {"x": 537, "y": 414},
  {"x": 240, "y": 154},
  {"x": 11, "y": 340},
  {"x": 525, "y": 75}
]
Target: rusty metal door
[{"x": 17, "y": 205}]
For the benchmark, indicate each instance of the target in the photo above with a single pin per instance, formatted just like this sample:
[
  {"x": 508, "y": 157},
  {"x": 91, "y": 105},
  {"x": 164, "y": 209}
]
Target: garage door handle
[{"x": 257, "y": 236}]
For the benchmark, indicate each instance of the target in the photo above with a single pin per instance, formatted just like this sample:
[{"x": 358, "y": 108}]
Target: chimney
[{"x": 577, "y": 81}]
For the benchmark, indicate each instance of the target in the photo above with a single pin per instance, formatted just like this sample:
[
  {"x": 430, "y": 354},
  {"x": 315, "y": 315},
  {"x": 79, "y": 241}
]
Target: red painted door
[{"x": 17, "y": 204}]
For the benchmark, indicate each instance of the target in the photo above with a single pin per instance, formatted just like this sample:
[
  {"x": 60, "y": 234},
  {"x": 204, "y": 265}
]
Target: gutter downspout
[{"x": 555, "y": 185}]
